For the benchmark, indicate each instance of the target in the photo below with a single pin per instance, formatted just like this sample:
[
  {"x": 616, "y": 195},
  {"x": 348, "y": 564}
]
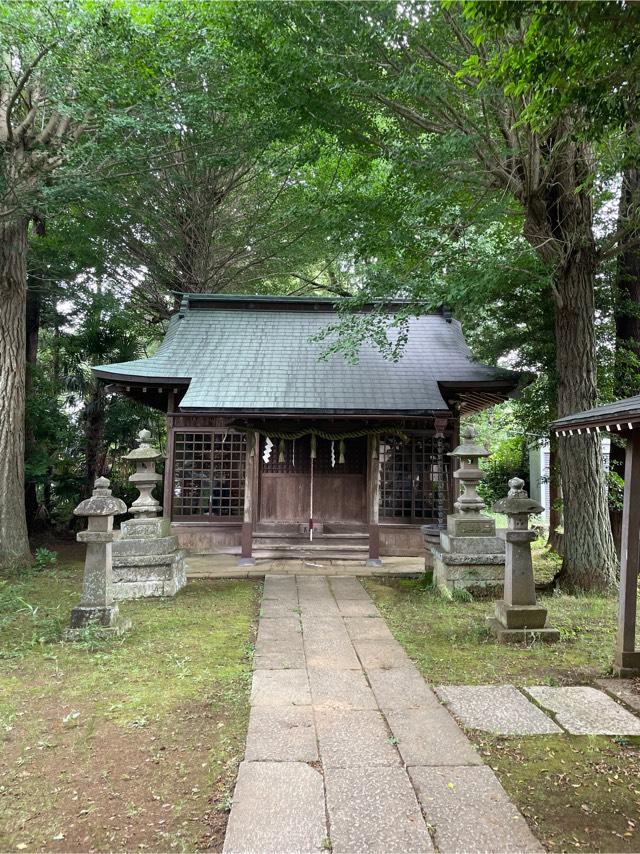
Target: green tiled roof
[{"x": 258, "y": 354}]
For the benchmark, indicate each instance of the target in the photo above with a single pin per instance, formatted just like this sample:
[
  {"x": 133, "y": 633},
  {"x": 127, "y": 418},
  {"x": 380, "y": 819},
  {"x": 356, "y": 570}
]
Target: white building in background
[{"x": 539, "y": 472}]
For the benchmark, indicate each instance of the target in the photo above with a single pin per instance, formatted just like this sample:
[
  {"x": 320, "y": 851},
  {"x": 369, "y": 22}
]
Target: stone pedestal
[
  {"x": 147, "y": 560},
  {"x": 97, "y": 607},
  {"x": 468, "y": 555},
  {"x": 517, "y": 616}
]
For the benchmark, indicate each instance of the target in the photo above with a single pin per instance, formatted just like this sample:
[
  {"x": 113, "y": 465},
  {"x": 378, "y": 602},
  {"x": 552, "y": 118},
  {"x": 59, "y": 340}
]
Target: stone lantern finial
[{"x": 97, "y": 605}]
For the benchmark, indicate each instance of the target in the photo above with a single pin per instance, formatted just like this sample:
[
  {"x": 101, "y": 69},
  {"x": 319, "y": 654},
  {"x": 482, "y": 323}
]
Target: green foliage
[
  {"x": 44, "y": 560},
  {"x": 509, "y": 459}
]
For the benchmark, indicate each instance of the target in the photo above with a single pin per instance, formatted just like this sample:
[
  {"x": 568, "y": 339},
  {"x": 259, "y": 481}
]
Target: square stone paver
[
  {"x": 350, "y": 738},
  {"x": 281, "y": 734},
  {"x": 501, "y": 709},
  {"x": 470, "y": 811},
  {"x": 277, "y": 807},
  {"x": 271, "y": 656},
  {"x": 327, "y": 644},
  {"x": 623, "y": 689},
  {"x": 586, "y": 711},
  {"x": 357, "y": 608},
  {"x": 430, "y": 736},
  {"x": 283, "y": 628},
  {"x": 280, "y": 587},
  {"x": 401, "y": 688},
  {"x": 367, "y": 628},
  {"x": 340, "y": 689},
  {"x": 280, "y": 688},
  {"x": 277, "y": 608},
  {"x": 374, "y": 810},
  {"x": 381, "y": 654},
  {"x": 348, "y": 588}
]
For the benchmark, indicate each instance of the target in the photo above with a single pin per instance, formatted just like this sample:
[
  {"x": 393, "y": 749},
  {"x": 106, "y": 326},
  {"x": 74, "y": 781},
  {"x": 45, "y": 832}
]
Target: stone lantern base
[
  {"x": 105, "y": 621},
  {"x": 146, "y": 561},
  {"x": 524, "y": 633}
]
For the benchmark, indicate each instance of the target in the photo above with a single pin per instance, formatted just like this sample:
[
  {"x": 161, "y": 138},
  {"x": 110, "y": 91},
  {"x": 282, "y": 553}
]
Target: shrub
[
  {"x": 44, "y": 560},
  {"x": 510, "y": 459}
]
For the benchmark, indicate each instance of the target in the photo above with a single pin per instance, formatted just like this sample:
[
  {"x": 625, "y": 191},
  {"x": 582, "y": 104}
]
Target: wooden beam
[
  {"x": 373, "y": 499},
  {"x": 627, "y": 659},
  {"x": 167, "y": 497},
  {"x": 250, "y": 495}
]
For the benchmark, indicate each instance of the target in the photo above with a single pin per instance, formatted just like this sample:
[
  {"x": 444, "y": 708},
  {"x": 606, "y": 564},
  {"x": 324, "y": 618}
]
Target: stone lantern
[
  {"x": 469, "y": 520},
  {"x": 145, "y": 478},
  {"x": 518, "y": 617},
  {"x": 468, "y": 555},
  {"x": 97, "y": 605},
  {"x": 147, "y": 560}
]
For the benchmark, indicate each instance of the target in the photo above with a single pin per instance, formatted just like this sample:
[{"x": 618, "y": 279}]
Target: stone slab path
[{"x": 348, "y": 747}]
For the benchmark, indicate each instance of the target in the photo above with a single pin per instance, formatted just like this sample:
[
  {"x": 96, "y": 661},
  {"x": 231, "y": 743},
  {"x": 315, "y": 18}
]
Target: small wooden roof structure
[{"x": 621, "y": 418}]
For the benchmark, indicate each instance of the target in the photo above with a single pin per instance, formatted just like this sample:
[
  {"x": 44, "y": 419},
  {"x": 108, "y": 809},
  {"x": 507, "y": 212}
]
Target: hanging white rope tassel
[
  {"x": 333, "y": 454},
  {"x": 268, "y": 447}
]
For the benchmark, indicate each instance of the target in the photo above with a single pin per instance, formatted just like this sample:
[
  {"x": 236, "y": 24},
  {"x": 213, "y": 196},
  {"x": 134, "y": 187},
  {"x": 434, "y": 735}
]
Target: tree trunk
[
  {"x": 555, "y": 513},
  {"x": 589, "y": 559},
  {"x": 94, "y": 436},
  {"x": 14, "y": 543},
  {"x": 627, "y": 317},
  {"x": 34, "y": 305}
]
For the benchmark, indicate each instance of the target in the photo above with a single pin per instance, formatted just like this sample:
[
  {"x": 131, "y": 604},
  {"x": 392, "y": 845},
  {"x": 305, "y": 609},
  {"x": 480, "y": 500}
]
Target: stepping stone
[
  {"x": 318, "y": 608},
  {"x": 277, "y": 608},
  {"x": 280, "y": 587},
  {"x": 277, "y": 807},
  {"x": 430, "y": 736},
  {"x": 280, "y": 688},
  {"x": 354, "y": 738},
  {"x": 623, "y": 689},
  {"x": 401, "y": 688},
  {"x": 381, "y": 654},
  {"x": 357, "y": 608},
  {"x": 367, "y": 628},
  {"x": 281, "y": 734},
  {"x": 282, "y": 629},
  {"x": 327, "y": 644},
  {"x": 586, "y": 711},
  {"x": 470, "y": 811},
  {"x": 348, "y": 588},
  {"x": 374, "y": 810},
  {"x": 501, "y": 709},
  {"x": 340, "y": 689},
  {"x": 272, "y": 657}
]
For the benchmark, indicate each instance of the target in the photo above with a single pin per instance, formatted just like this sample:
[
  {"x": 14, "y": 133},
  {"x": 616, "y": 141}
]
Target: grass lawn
[
  {"x": 577, "y": 792},
  {"x": 123, "y": 744}
]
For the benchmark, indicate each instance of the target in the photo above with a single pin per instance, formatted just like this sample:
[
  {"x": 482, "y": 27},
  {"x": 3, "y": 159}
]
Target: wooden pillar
[
  {"x": 250, "y": 498},
  {"x": 167, "y": 494},
  {"x": 444, "y": 490},
  {"x": 627, "y": 659},
  {"x": 373, "y": 499}
]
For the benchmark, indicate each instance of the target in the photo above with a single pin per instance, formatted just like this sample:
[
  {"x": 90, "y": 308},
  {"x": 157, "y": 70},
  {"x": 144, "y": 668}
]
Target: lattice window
[
  {"x": 208, "y": 475},
  {"x": 413, "y": 479}
]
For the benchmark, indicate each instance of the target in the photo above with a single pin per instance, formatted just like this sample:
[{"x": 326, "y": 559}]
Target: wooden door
[{"x": 339, "y": 490}]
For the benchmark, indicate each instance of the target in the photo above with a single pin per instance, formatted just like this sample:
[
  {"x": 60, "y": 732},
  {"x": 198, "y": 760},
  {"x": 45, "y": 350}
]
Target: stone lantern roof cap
[
  {"x": 102, "y": 502},
  {"x": 145, "y": 451},
  {"x": 468, "y": 448},
  {"x": 517, "y": 500}
]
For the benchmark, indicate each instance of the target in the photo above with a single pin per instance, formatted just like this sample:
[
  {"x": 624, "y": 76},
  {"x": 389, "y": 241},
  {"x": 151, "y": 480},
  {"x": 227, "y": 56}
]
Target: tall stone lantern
[
  {"x": 97, "y": 606},
  {"x": 147, "y": 560},
  {"x": 469, "y": 555},
  {"x": 518, "y": 617}
]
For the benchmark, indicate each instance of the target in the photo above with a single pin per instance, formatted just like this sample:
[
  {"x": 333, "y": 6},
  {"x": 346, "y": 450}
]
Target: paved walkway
[
  {"x": 226, "y": 566},
  {"x": 347, "y": 746}
]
